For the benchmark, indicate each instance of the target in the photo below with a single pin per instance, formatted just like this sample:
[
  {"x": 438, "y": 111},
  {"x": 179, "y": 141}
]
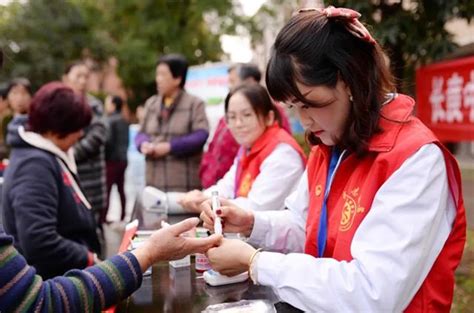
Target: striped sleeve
[{"x": 89, "y": 290}]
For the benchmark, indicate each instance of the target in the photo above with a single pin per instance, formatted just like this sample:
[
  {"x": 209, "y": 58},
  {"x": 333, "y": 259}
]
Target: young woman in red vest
[
  {"x": 377, "y": 219},
  {"x": 269, "y": 163}
]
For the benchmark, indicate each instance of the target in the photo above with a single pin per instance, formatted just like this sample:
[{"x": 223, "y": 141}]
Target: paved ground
[{"x": 134, "y": 183}]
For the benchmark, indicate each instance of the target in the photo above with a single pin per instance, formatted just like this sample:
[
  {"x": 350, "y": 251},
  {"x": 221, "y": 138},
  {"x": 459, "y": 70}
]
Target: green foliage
[
  {"x": 301, "y": 139},
  {"x": 40, "y": 36},
  {"x": 412, "y": 32},
  {"x": 144, "y": 30},
  {"x": 464, "y": 289}
]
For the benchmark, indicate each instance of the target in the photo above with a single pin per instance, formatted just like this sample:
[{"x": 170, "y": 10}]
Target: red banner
[{"x": 445, "y": 98}]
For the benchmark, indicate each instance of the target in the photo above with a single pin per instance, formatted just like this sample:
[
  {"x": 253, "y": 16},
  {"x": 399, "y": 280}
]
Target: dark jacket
[
  {"x": 117, "y": 138},
  {"x": 12, "y": 128},
  {"x": 44, "y": 209},
  {"x": 89, "y": 153}
]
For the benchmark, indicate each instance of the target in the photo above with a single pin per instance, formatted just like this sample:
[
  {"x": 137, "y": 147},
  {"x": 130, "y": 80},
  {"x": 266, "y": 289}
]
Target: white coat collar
[{"x": 38, "y": 141}]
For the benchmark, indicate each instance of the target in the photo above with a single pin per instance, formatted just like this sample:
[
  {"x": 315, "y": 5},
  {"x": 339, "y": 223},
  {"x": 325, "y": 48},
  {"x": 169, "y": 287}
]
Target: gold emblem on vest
[
  {"x": 350, "y": 209},
  {"x": 245, "y": 185},
  {"x": 318, "y": 190}
]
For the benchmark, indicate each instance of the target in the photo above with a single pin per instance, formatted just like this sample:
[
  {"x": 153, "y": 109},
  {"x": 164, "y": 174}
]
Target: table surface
[{"x": 182, "y": 290}]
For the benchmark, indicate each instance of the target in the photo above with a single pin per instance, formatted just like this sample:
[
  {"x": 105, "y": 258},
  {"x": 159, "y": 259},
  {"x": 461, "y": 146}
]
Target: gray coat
[
  {"x": 174, "y": 173},
  {"x": 89, "y": 153}
]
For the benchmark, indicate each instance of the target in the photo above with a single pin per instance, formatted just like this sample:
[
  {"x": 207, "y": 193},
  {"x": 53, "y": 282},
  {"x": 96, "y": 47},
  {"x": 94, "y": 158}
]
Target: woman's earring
[{"x": 351, "y": 98}]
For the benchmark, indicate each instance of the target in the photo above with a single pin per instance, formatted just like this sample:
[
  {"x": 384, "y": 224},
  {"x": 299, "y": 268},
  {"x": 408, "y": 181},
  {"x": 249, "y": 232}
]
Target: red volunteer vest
[
  {"x": 249, "y": 164},
  {"x": 353, "y": 189}
]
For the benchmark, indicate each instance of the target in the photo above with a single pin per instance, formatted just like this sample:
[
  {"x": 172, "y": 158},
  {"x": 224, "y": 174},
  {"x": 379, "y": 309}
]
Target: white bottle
[{"x": 201, "y": 262}]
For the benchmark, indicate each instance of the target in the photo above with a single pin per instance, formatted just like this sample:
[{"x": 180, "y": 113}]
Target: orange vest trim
[
  {"x": 355, "y": 184},
  {"x": 248, "y": 167}
]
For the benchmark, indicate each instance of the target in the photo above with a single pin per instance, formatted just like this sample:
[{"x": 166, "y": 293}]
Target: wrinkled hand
[
  {"x": 155, "y": 150},
  {"x": 161, "y": 149},
  {"x": 231, "y": 257},
  {"x": 147, "y": 148},
  {"x": 192, "y": 200},
  {"x": 234, "y": 219},
  {"x": 167, "y": 244}
]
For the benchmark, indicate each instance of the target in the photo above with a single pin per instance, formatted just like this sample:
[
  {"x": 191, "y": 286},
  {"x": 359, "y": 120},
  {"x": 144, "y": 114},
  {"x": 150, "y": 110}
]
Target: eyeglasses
[{"x": 245, "y": 119}]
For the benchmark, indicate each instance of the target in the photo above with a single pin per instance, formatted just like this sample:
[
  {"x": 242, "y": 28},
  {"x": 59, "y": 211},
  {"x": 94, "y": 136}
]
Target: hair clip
[{"x": 349, "y": 16}]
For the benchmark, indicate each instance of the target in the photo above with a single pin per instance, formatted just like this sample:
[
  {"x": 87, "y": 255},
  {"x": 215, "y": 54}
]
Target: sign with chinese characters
[
  {"x": 210, "y": 83},
  {"x": 445, "y": 98}
]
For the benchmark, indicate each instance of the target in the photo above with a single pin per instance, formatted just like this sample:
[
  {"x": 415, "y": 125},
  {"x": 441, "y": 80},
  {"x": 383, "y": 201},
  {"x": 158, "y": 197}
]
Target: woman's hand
[
  {"x": 232, "y": 257},
  {"x": 234, "y": 219},
  {"x": 147, "y": 148},
  {"x": 161, "y": 149},
  {"x": 192, "y": 200},
  {"x": 167, "y": 244},
  {"x": 155, "y": 150}
]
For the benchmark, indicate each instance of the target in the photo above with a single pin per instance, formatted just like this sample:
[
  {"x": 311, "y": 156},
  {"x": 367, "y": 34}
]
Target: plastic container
[
  {"x": 213, "y": 278},
  {"x": 186, "y": 261},
  {"x": 201, "y": 261}
]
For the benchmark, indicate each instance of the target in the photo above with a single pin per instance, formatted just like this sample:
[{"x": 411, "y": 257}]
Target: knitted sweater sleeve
[{"x": 89, "y": 290}]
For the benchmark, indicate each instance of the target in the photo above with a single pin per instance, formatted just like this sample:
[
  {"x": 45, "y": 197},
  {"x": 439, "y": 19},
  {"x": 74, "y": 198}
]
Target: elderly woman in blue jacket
[{"x": 44, "y": 208}]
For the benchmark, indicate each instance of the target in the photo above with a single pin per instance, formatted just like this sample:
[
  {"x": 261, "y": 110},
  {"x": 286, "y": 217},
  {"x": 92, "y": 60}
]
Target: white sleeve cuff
[{"x": 261, "y": 225}]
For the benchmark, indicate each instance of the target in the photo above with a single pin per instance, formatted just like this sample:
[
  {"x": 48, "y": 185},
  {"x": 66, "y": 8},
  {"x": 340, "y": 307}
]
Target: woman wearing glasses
[
  {"x": 269, "y": 162},
  {"x": 377, "y": 221}
]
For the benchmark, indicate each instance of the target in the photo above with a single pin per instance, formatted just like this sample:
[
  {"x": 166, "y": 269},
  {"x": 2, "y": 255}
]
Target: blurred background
[{"x": 430, "y": 44}]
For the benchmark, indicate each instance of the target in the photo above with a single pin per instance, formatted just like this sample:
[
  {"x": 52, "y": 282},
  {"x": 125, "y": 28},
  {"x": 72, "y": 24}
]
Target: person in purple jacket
[{"x": 174, "y": 130}]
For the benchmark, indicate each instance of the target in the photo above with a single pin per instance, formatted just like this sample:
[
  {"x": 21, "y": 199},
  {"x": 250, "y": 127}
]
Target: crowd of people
[{"x": 371, "y": 221}]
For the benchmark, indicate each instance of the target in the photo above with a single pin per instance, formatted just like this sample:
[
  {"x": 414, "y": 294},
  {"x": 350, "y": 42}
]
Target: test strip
[{"x": 215, "y": 206}]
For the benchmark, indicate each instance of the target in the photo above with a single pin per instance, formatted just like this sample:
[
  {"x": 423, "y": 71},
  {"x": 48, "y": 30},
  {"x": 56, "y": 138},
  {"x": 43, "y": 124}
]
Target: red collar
[
  {"x": 393, "y": 116},
  {"x": 262, "y": 141}
]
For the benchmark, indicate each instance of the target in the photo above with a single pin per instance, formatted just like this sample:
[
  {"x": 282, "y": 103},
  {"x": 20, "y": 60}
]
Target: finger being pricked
[
  {"x": 202, "y": 245},
  {"x": 183, "y": 226}
]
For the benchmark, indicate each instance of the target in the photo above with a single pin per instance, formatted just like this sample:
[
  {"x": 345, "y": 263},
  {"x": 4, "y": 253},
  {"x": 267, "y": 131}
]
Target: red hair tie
[{"x": 350, "y": 17}]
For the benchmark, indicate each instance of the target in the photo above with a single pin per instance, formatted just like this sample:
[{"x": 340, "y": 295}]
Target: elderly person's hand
[
  {"x": 167, "y": 244},
  {"x": 155, "y": 150},
  {"x": 234, "y": 219},
  {"x": 232, "y": 257},
  {"x": 147, "y": 148},
  {"x": 192, "y": 200},
  {"x": 161, "y": 149}
]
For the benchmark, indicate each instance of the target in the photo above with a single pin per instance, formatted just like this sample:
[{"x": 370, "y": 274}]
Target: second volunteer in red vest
[
  {"x": 269, "y": 162},
  {"x": 377, "y": 220}
]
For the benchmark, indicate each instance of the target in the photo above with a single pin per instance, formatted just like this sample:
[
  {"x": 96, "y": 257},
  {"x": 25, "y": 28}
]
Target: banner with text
[{"x": 445, "y": 98}]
